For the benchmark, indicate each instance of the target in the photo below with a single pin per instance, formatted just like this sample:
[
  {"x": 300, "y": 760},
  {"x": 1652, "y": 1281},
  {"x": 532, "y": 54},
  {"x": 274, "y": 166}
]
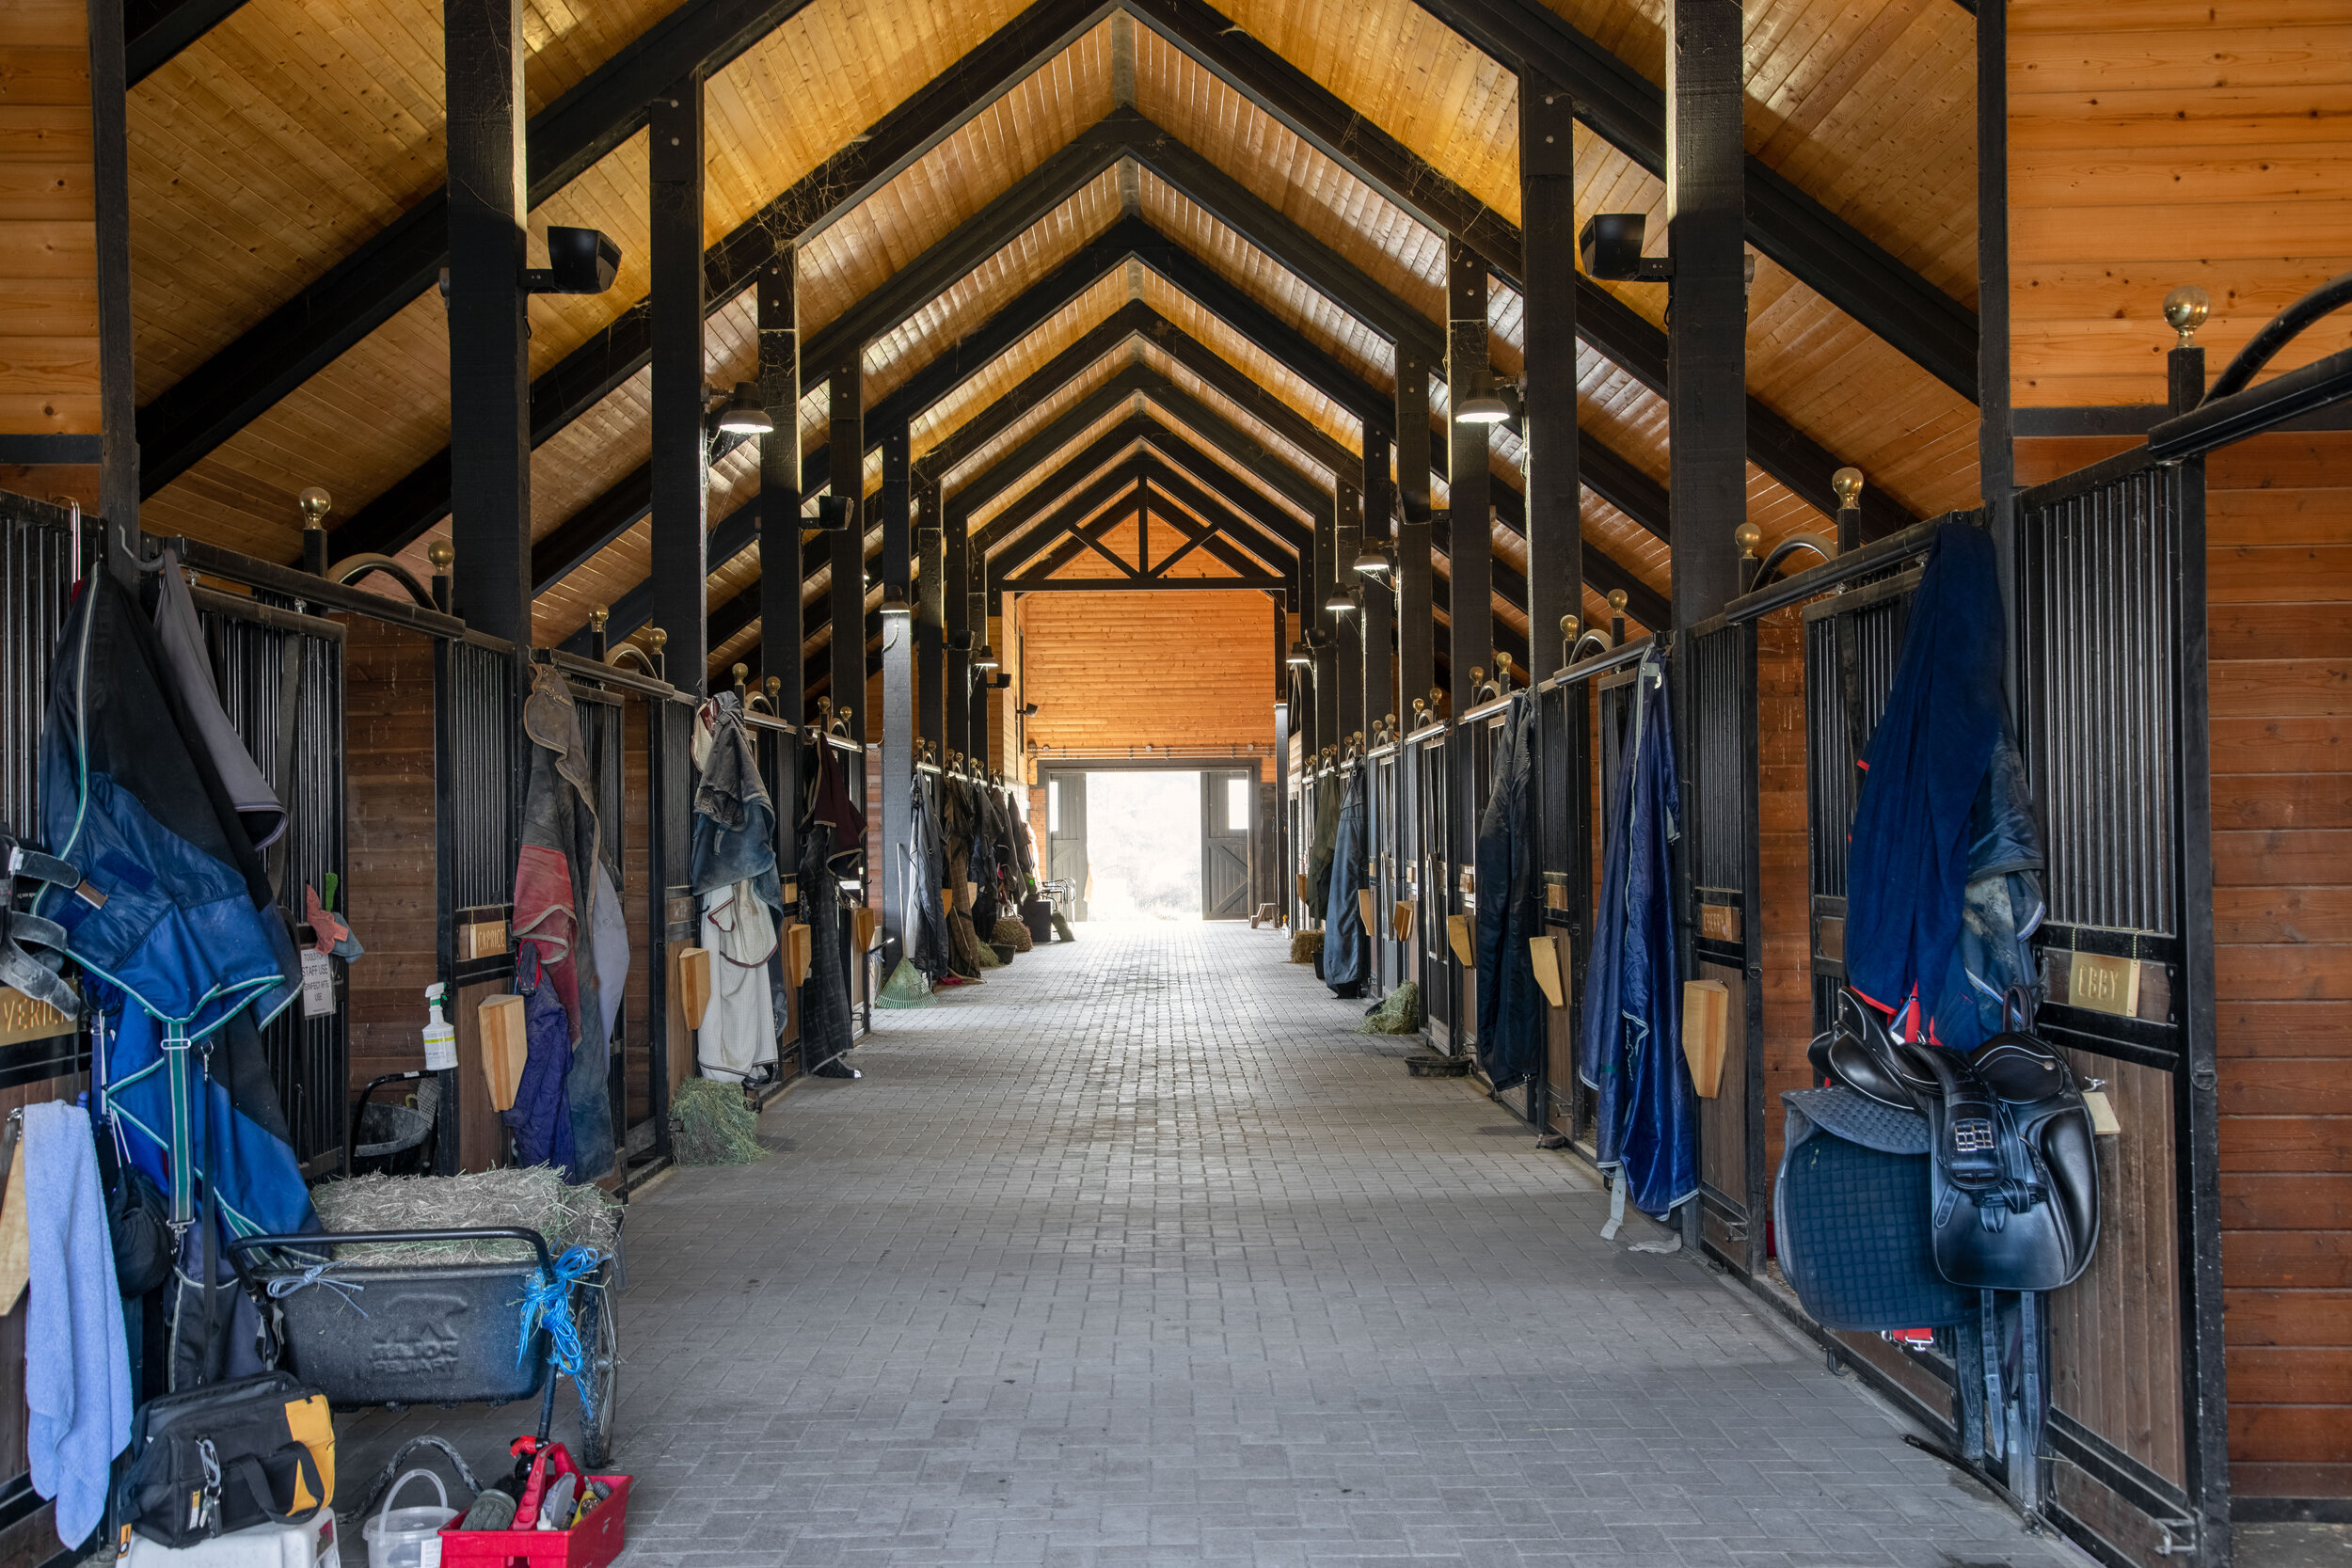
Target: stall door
[
  {"x": 1226, "y": 796},
  {"x": 1066, "y": 836}
]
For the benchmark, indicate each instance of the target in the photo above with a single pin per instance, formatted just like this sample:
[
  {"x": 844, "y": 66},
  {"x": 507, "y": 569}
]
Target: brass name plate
[
  {"x": 1719, "y": 921},
  {"x": 1829, "y": 938},
  {"x": 2100, "y": 983},
  {"x": 482, "y": 939},
  {"x": 1555, "y": 896},
  {"x": 681, "y": 910},
  {"x": 24, "y": 1018}
]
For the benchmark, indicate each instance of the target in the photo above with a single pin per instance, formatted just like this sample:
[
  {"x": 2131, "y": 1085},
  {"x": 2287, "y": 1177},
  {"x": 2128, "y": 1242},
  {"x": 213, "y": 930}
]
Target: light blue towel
[{"x": 77, "y": 1368}]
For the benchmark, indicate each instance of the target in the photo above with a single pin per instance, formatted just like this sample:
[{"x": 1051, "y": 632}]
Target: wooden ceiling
[{"x": 296, "y": 132}]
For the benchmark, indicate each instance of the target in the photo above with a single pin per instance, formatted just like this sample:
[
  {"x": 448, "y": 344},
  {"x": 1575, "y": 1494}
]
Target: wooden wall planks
[
  {"x": 1084, "y": 653},
  {"x": 388, "y": 826},
  {"x": 2162, "y": 144},
  {"x": 48, "y": 240}
]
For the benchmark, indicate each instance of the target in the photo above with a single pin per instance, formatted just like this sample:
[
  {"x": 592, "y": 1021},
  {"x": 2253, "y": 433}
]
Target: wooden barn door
[
  {"x": 1226, "y": 796},
  {"x": 1066, "y": 836}
]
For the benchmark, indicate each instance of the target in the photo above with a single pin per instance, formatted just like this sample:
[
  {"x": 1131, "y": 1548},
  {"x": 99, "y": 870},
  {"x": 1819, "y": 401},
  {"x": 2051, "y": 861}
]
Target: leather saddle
[{"x": 2015, "y": 1168}]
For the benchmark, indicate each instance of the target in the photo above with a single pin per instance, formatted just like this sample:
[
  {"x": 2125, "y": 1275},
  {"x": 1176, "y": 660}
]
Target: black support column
[
  {"x": 1347, "y": 626},
  {"x": 681, "y": 482},
  {"x": 779, "y": 536},
  {"x": 1469, "y": 489},
  {"x": 489, "y": 356},
  {"x": 1326, "y": 704},
  {"x": 1416, "y": 625},
  {"x": 1379, "y": 592},
  {"x": 898, "y": 672},
  {"x": 848, "y": 467},
  {"x": 957, "y": 687},
  {"x": 979, "y": 604},
  {"x": 1555, "y": 550},
  {"x": 1707, "y": 353},
  {"x": 931, "y": 618}
]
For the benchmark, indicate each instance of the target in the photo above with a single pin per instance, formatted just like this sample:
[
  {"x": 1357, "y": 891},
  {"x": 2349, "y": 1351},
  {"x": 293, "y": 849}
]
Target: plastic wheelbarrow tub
[
  {"x": 395, "y": 1332},
  {"x": 596, "y": 1543}
]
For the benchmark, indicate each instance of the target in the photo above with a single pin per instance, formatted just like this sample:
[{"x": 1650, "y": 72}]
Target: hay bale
[
  {"x": 1013, "y": 934},
  {"x": 1306, "y": 946},
  {"x": 906, "y": 988},
  {"x": 710, "y": 1124},
  {"x": 1399, "y": 1013},
  {"x": 536, "y": 1198}
]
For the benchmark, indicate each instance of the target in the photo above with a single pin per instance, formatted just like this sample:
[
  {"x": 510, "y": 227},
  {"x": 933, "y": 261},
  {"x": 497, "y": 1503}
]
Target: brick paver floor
[{"x": 1138, "y": 1255}]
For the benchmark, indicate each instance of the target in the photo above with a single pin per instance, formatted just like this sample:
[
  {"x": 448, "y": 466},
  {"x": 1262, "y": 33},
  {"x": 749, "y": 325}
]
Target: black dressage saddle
[{"x": 2014, "y": 1173}]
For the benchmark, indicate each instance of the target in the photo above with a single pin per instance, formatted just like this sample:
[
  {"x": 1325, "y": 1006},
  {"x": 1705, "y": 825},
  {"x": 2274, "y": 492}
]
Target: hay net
[
  {"x": 711, "y": 1124},
  {"x": 1399, "y": 1013}
]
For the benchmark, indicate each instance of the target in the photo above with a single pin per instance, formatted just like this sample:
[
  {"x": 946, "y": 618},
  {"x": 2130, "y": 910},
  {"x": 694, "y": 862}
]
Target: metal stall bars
[
  {"x": 1381, "y": 802},
  {"x": 861, "y": 967},
  {"x": 1470, "y": 753},
  {"x": 637, "y": 731},
  {"x": 477, "y": 789},
  {"x": 1424, "y": 765}
]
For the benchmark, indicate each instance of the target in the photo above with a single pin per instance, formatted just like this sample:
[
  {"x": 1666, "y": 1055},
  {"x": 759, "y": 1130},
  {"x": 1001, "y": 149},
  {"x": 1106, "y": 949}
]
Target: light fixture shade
[
  {"x": 895, "y": 602},
  {"x": 743, "y": 415},
  {"x": 1298, "y": 656},
  {"x": 984, "y": 658},
  {"x": 1340, "y": 602},
  {"x": 1374, "y": 562}
]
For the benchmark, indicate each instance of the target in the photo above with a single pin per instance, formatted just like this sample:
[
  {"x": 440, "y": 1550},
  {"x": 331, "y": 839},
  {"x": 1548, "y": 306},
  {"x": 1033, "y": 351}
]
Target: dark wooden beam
[
  {"x": 118, "y": 453},
  {"x": 778, "y": 588},
  {"x": 931, "y": 617},
  {"x": 1828, "y": 254},
  {"x": 1416, "y": 651},
  {"x": 1555, "y": 573},
  {"x": 1069, "y": 509},
  {"x": 158, "y": 29},
  {"x": 1469, "y": 483},
  {"x": 848, "y": 440},
  {"x": 680, "y": 461},
  {"x": 1708, "y": 351},
  {"x": 1379, "y": 596},
  {"x": 489, "y": 363},
  {"x": 896, "y": 727},
  {"x": 1139, "y": 585}
]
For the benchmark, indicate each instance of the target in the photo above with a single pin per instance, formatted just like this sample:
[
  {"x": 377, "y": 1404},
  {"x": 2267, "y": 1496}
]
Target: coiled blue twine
[{"x": 547, "y": 1304}]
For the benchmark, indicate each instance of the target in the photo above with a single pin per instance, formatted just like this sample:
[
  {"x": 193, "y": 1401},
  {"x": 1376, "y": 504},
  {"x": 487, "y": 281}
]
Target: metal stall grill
[
  {"x": 1717, "y": 717},
  {"x": 480, "y": 721},
  {"x": 1427, "y": 752},
  {"x": 309, "y": 1057},
  {"x": 601, "y": 728},
  {"x": 2109, "y": 574},
  {"x": 1563, "y": 794}
]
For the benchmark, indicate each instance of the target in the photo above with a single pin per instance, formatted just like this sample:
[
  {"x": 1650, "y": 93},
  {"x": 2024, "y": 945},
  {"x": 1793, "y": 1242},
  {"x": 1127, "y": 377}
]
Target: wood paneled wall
[
  {"x": 48, "y": 240},
  {"x": 1785, "y": 853},
  {"x": 2278, "y": 559},
  {"x": 2161, "y": 143},
  {"x": 389, "y": 819},
  {"x": 1187, "y": 671}
]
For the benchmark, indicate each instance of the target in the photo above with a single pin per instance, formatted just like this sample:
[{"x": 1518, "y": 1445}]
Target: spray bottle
[{"x": 440, "y": 1036}]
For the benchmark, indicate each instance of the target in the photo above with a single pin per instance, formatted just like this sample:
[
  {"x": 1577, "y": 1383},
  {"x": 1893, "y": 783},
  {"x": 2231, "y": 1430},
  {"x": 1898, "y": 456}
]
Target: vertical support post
[
  {"x": 847, "y": 469},
  {"x": 1470, "y": 488},
  {"x": 1327, "y": 642},
  {"x": 979, "y": 602},
  {"x": 897, "y": 722},
  {"x": 1283, "y": 897},
  {"x": 1707, "y": 353},
  {"x": 117, "y": 389},
  {"x": 1347, "y": 627},
  {"x": 957, "y": 686},
  {"x": 1416, "y": 624},
  {"x": 780, "y": 629},
  {"x": 681, "y": 461},
  {"x": 1379, "y": 614},
  {"x": 1997, "y": 451},
  {"x": 931, "y": 617},
  {"x": 1555, "y": 547},
  {"x": 489, "y": 360}
]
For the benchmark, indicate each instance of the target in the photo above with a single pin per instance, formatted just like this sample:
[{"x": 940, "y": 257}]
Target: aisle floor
[{"x": 1138, "y": 1255}]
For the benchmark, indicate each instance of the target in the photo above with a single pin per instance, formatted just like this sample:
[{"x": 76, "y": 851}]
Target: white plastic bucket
[{"x": 407, "y": 1537}]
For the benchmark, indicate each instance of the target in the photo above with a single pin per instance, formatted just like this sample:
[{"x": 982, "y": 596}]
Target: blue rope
[
  {"x": 287, "y": 1284},
  {"x": 547, "y": 1305}
]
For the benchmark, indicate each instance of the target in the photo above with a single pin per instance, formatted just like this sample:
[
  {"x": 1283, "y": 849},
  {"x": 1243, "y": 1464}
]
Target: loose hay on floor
[
  {"x": 536, "y": 1198},
  {"x": 1399, "y": 1012},
  {"x": 712, "y": 1125}
]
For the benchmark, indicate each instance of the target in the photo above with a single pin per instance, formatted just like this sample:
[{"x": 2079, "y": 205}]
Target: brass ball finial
[
  {"x": 2186, "y": 309},
  {"x": 442, "y": 554},
  {"x": 599, "y": 617},
  {"x": 741, "y": 672},
  {"x": 1618, "y": 599},
  {"x": 658, "y": 637},
  {"x": 1570, "y": 625},
  {"x": 315, "y": 503},
  {"x": 1847, "y": 484},
  {"x": 772, "y": 685},
  {"x": 1478, "y": 673},
  {"x": 1747, "y": 536}
]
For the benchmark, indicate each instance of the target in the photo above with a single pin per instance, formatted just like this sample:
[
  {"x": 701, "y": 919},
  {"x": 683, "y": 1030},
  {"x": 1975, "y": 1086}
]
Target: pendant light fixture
[
  {"x": 1374, "y": 561},
  {"x": 984, "y": 658},
  {"x": 1299, "y": 658},
  {"x": 1484, "y": 404},
  {"x": 743, "y": 416}
]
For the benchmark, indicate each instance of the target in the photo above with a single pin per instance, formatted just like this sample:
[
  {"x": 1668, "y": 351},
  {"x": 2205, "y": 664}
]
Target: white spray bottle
[{"x": 440, "y": 1036}]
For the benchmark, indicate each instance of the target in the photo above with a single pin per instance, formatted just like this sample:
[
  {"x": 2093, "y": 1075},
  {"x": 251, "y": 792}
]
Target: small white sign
[
  {"x": 429, "y": 1552},
  {"x": 318, "y": 984}
]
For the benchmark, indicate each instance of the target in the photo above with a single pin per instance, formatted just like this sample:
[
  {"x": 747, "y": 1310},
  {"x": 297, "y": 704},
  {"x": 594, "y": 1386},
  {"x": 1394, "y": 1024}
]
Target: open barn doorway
[{"x": 1159, "y": 843}]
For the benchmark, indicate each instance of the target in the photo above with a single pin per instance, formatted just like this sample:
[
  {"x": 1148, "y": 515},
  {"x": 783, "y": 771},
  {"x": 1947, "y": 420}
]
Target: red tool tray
[{"x": 594, "y": 1544}]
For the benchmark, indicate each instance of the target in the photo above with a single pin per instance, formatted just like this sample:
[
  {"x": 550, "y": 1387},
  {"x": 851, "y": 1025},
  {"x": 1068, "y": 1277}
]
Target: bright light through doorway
[{"x": 1143, "y": 845}]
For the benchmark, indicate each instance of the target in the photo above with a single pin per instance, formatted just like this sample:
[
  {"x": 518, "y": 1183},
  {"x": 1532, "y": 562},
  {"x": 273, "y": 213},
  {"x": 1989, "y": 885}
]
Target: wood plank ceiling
[{"x": 295, "y": 130}]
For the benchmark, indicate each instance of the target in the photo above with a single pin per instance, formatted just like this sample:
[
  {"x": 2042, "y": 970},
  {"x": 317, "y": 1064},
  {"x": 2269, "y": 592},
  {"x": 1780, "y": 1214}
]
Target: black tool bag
[{"x": 219, "y": 1459}]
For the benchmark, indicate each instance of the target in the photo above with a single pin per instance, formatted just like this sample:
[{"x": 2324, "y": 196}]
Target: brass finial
[
  {"x": 658, "y": 637},
  {"x": 772, "y": 685},
  {"x": 843, "y": 714},
  {"x": 741, "y": 672},
  {"x": 1569, "y": 627},
  {"x": 1618, "y": 599},
  {"x": 1437, "y": 695},
  {"x": 1390, "y": 721},
  {"x": 1847, "y": 484},
  {"x": 441, "y": 553},
  {"x": 1747, "y": 536},
  {"x": 315, "y": 503},
  {"x": 2186, "y": 309},
  {"x": 599, "y": 616},
  {"x": 1478, "y": 673}
]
